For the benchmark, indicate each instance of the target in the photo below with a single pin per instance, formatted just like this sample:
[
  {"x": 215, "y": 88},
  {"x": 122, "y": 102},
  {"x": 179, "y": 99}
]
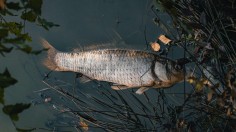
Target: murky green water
[{"x": 82, "y": 23}]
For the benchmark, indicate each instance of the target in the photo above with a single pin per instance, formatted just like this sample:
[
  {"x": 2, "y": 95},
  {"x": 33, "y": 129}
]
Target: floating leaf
[
  {"x": 191, "y": 79},
  {"x": 14, "y": 110},
  {"x": 29, "y": 16},
  {"x": 155, "y": 46},
  {"x": 164, "y": 39},
  {"x": 199, "y": 86}
]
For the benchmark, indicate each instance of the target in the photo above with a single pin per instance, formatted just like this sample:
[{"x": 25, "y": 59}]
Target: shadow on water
[{"x": 97, "y": 105}]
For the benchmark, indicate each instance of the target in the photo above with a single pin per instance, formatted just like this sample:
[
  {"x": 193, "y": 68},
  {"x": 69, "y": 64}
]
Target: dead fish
[{"x": 125, "y": 68}]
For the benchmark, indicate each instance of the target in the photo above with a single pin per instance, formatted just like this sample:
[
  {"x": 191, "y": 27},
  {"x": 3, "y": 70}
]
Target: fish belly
[{"x": 124, "y": 67}]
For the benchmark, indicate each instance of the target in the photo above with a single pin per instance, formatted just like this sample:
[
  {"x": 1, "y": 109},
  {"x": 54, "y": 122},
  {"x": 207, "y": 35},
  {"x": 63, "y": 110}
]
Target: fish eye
[{"x": 178, "y": 67}]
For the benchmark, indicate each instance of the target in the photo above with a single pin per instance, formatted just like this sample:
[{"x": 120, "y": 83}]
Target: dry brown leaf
[
  {"x": 164, "y": 39},
  {"x": 2, "y": 4},
  {"x": 155, "y": 46},
  {"x": 84, "y": 125},
  {"x": 209, "y": 96},
  {"x": 199, "y": 86}
]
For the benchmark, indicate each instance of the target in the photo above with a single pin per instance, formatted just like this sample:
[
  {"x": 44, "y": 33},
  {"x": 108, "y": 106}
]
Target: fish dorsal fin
[
  {"x": 115, "y": 41},
  {"x": 141, "y": 90},
  {"x": 100, "y": 46}
]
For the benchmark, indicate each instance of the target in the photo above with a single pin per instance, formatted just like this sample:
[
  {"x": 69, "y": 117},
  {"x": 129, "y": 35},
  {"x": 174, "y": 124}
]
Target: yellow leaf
[
  {"x": 164, "y": 39},
  {"x": 191, "y": 79},
  {"x": 84, "y": 125},
  {"x": 199, "y": 86},
  {"x": 155, "y": 46}
]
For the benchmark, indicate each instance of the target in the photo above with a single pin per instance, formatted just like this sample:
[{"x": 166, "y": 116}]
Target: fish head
[
  {"x": 169, "y": 73},
  {"x": 178, "y": 66},
  {"x": 176, "y": 71},
  {"x": 179, "y": 69}
]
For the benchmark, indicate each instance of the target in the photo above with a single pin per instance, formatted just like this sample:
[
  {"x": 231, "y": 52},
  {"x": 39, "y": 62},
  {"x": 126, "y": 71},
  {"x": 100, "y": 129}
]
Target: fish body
[{"x": 129, "y": 68}]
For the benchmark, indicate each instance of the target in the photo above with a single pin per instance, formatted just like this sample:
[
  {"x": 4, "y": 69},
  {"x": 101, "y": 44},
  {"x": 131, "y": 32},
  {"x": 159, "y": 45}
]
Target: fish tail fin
[{"x": 49, "y": 62}]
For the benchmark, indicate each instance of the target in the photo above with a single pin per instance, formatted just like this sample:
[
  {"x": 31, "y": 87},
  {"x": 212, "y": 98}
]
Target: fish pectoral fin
[
  {"x": 120, "y": 87},
  {"x": 141, "y": 90}
]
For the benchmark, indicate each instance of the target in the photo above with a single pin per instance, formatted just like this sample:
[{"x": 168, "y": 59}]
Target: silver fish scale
[{"x": 127, "y": 67}]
